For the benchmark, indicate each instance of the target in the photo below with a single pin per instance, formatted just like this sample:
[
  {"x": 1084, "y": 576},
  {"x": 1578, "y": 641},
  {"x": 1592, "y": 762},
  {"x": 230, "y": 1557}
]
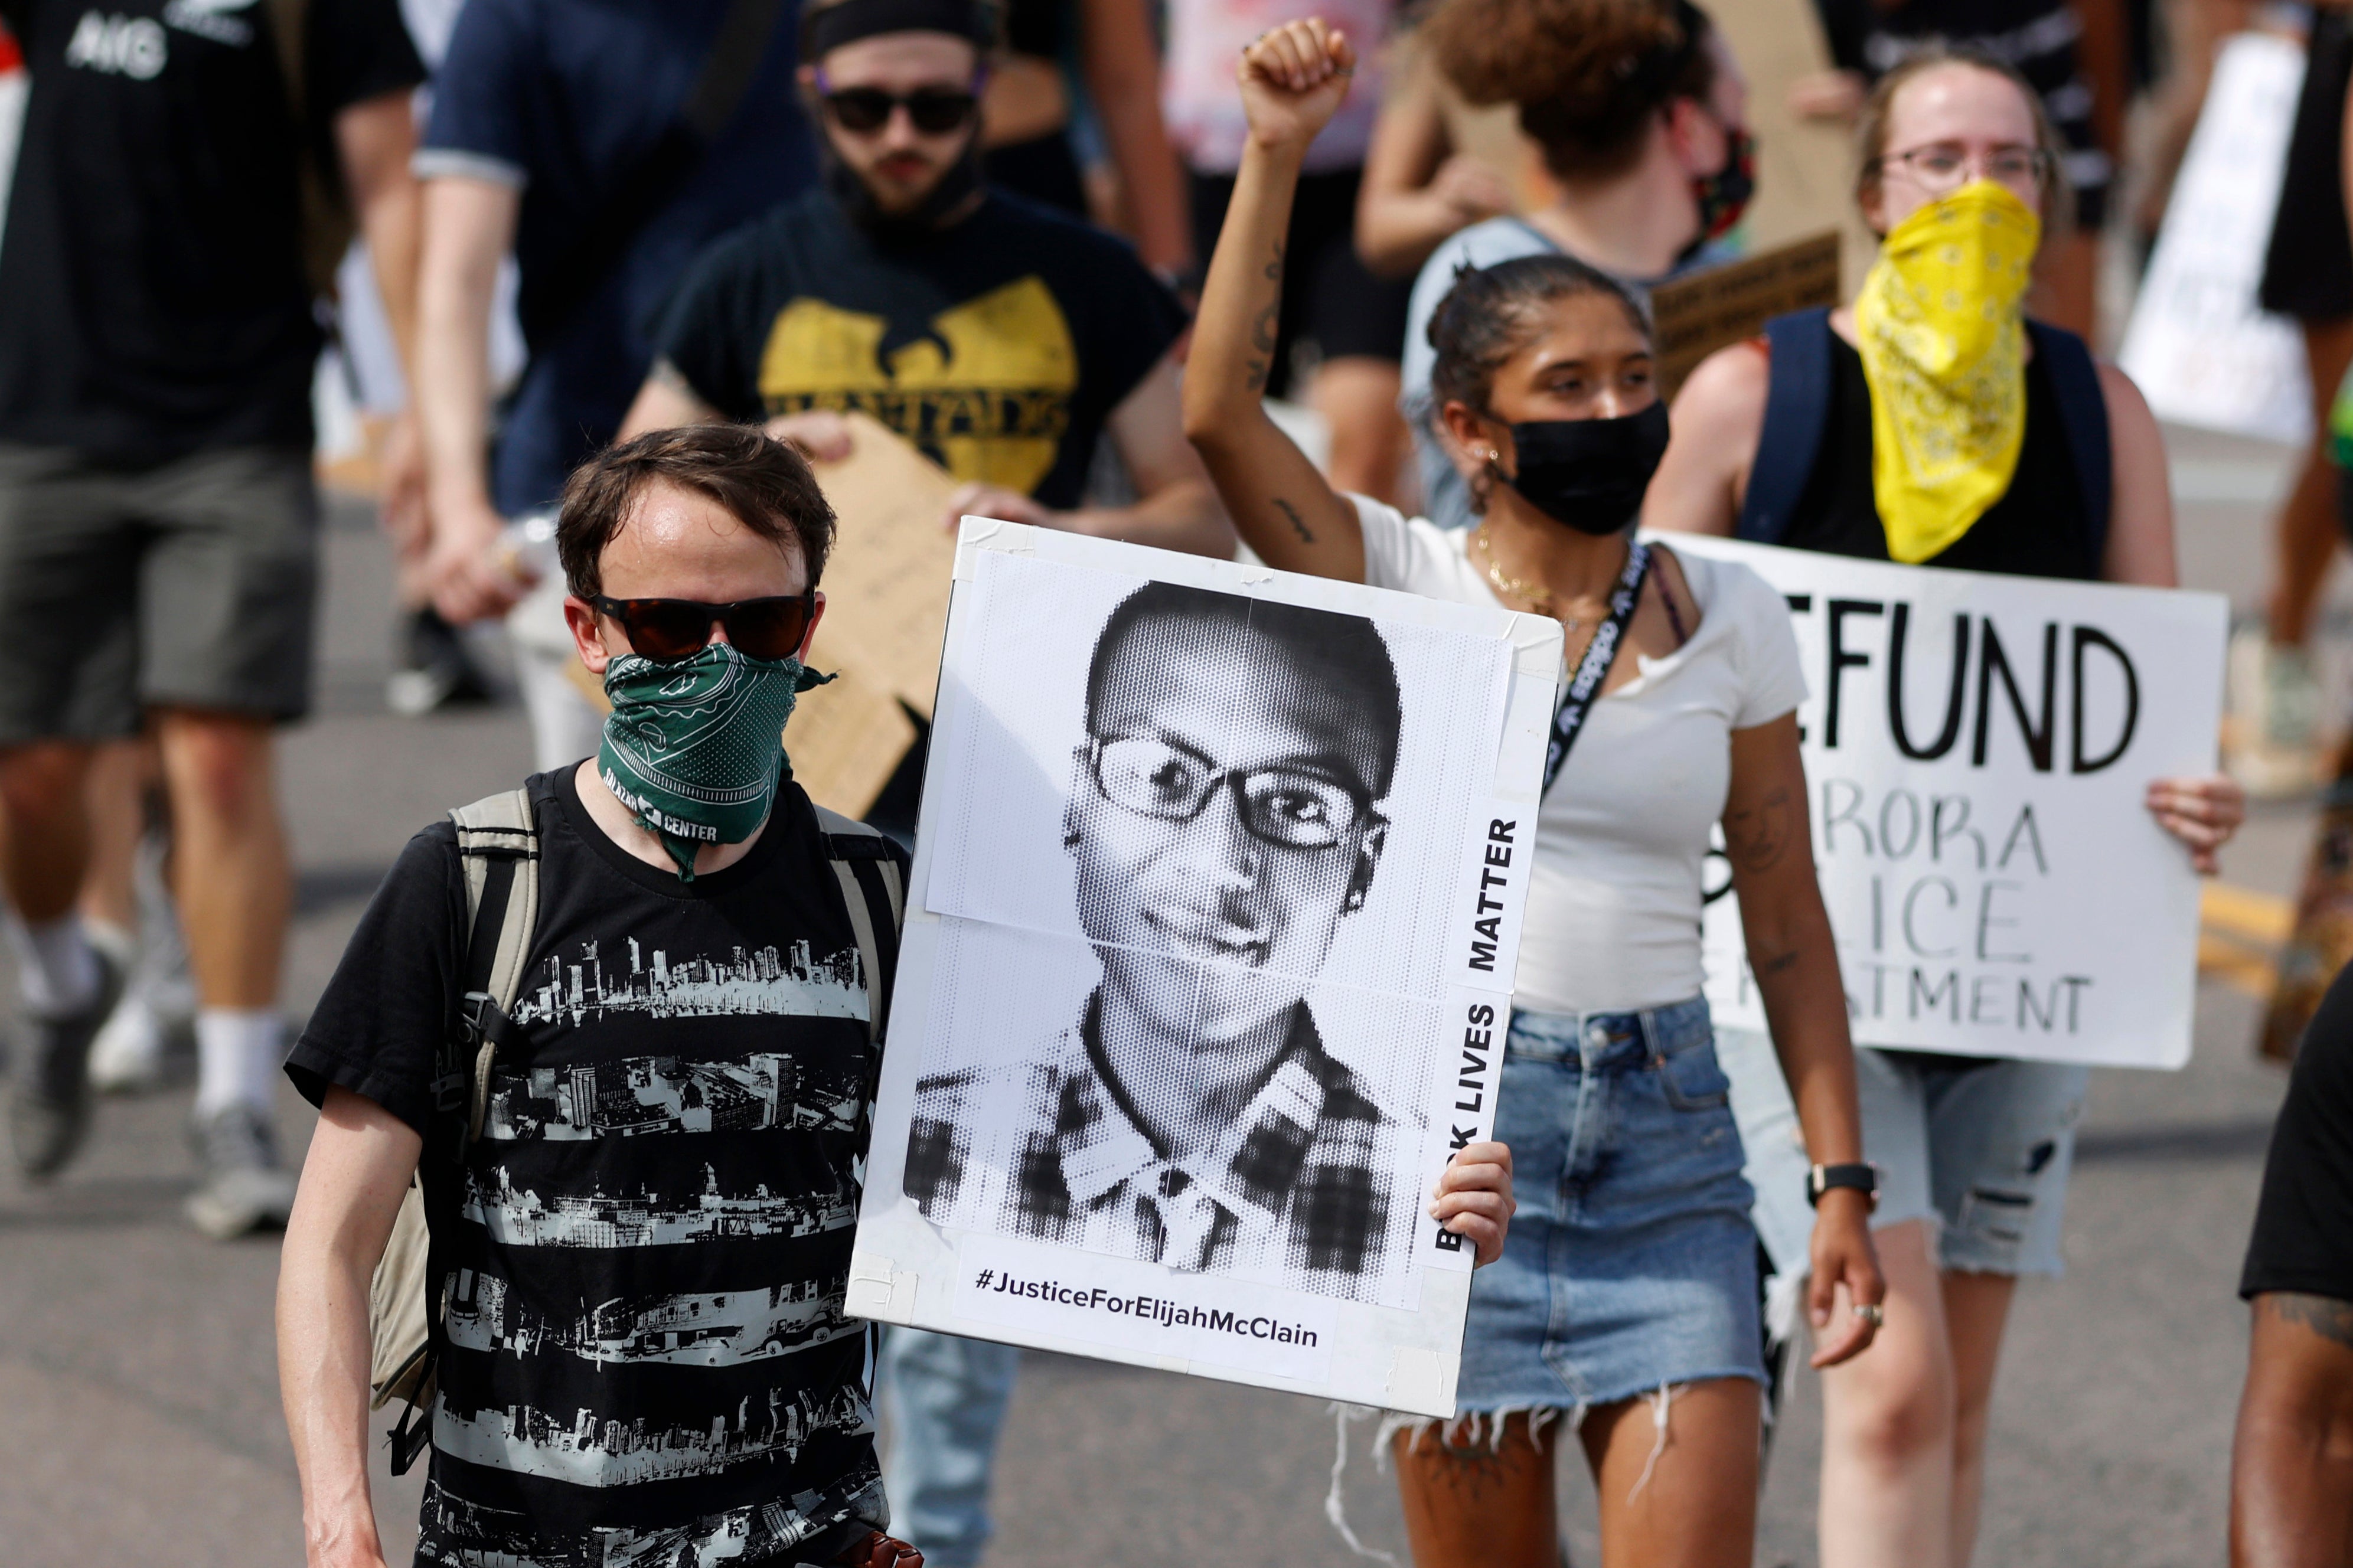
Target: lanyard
[{"x": 1585, "y": 688}]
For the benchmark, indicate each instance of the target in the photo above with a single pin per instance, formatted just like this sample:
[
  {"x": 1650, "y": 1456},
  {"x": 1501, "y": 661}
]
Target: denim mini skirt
[{"x": 1631, "y": 1262}]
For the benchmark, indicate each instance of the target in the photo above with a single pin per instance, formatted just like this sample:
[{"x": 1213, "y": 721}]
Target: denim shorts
[
  {"x": 1981, "y": 1151},
  {"x": 1632, "y": 1263}
]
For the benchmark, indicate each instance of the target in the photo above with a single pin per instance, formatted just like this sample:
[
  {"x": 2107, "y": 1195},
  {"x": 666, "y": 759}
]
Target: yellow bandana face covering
[{"x": 1943, "y": 346}]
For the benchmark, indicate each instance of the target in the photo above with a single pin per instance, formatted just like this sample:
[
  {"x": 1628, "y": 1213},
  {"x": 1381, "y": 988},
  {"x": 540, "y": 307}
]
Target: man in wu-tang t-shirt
[
  {"x": 1000, "y": 337},
  {"x": 640, "y": 1264}
]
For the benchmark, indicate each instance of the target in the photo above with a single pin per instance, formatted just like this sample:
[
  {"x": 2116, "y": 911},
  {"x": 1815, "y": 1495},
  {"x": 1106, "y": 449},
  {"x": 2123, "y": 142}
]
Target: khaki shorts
[{"x": 190, "y": 585}]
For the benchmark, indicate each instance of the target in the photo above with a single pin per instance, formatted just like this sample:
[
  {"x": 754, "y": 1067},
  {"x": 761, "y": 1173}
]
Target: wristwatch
[{"x": 1863, "y": 1178}]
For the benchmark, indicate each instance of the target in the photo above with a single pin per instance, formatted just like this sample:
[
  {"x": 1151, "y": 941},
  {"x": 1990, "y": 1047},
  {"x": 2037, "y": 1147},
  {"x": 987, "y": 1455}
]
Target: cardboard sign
[
  {"x": 1976, "y": 751},
  {"x": 2202, "y": 350},
  {"x": 1208, "y": 964},
  {"x": 1695, "y": 316}
]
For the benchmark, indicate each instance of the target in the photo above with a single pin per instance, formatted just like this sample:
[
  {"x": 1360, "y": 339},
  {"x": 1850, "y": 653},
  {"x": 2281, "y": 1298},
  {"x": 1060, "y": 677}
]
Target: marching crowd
[{"x": 1072, "y": 276}]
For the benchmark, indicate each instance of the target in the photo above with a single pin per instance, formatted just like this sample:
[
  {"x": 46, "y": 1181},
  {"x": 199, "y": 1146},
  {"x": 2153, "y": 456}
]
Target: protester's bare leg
[
  {"x": 61, "y": 983},
  {"x": 1357, "y": 396},
  {"x": 117, "y": 804},
  {"x": 1482, "y": 1504},
  {"x": 1977, "y": 1309},
  {"x": 44, "y": 827},
  {"x": 2306, "y": 537},
  {"x": 1683, "y": 1497},
  {"x": 1887, "y": 1424},
  {"x": 230, "y": 874}
]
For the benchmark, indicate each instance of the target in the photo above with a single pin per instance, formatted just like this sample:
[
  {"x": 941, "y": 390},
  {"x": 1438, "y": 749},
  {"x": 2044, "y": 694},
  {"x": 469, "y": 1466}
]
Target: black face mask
[
  {"x": 1589, "y": 474},
  {"x": 957, "y": 181},
  {"x": 1723, "y": 195}
]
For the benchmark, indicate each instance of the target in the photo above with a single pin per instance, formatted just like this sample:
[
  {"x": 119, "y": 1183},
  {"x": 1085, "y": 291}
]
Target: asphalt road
[{"x": 139, "y": 1419}]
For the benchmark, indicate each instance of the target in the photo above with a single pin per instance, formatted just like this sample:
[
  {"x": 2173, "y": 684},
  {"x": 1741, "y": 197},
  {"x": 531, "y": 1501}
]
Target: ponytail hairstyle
[
  {"x": 1492, "y": 313},
  {"x": 1587, "y": 75},
  {"x": 2058, "y": 203}
]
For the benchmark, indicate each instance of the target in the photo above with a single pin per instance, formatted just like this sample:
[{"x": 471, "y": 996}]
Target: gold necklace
[{"x": 1539, "y": 598}]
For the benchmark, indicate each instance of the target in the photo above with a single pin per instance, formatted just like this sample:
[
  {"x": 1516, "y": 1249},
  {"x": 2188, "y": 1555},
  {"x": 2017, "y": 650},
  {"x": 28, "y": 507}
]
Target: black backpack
[{"x": 1797, "y": 408}]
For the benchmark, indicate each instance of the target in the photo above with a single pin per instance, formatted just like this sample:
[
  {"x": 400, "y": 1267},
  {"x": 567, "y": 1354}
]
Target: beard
[{"x": 955, "y": 185}]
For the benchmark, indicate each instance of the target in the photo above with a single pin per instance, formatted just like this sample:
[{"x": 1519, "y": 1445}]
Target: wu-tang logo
[{"x": 983, "y": 390}]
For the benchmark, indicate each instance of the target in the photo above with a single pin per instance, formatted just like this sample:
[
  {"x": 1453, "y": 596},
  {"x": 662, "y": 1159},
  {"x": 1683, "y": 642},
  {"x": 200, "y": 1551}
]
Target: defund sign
[{"x": 1977, "y": 750}]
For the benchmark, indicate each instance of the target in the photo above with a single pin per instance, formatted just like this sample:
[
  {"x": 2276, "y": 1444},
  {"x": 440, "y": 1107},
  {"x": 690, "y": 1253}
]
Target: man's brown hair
[{"x": 765, "y": 485}]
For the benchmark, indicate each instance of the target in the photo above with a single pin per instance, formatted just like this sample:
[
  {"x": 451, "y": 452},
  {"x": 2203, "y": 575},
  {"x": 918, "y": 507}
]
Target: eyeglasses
[
  {"x": 1283, "y": 805},
  {"x": 666, "y": 629},
  {"x": 1945, "y": 167},
  {"x": 936, "y": 110}
]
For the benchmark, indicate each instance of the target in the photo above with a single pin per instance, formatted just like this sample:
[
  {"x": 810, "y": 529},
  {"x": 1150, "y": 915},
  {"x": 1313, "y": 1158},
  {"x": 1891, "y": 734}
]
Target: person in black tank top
[
  {"x": 2036, "y": 530},
  {"x": 1973, "y": 1155}
]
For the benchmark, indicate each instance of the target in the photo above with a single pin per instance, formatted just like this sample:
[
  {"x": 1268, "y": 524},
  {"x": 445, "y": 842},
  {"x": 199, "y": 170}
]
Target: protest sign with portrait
[
  {"x": 1978, "y": 749},
  {"x": 1207, "y": 963}
]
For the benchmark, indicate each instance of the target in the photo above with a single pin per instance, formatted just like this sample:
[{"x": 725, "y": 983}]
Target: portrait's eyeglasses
[
  {"x": 1944, "y": 168},
  {"x": 666, "y": 629},
  {"x": 1283, "y": 805},
  {"x": 936, "y": 110}
]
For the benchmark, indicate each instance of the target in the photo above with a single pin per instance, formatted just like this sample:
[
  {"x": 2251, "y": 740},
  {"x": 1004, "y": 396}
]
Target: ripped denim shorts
[
  {"x": 1632, "y": 1263},
  {"x": 1982, "y": 1149}
]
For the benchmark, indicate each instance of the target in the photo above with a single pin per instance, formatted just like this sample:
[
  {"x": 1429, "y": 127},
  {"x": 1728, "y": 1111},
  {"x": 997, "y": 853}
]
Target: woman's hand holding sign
[
  {"x": 1475, "y": 1198},
  {"x": 2201, "y": 812}
]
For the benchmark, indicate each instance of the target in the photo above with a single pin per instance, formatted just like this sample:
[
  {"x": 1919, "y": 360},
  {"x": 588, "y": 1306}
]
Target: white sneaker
[
  {"x": 2272, "y": 743},
  {"x": 127, "y": 1057},
  {"x": 244, "y": 1187}
]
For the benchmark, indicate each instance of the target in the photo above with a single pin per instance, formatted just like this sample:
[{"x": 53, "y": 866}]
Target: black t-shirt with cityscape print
[
  {"x": 998, "y": 346},
  {"x": 646, "y": 1254}
]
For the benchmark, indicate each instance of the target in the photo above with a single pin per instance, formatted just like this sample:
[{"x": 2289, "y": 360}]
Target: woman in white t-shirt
[{"x": 1627, "y": 1295}]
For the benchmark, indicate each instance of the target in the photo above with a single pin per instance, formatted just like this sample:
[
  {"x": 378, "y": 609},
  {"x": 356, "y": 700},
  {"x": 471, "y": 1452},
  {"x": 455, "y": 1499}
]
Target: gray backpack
[{"x": 497, "y": 841}]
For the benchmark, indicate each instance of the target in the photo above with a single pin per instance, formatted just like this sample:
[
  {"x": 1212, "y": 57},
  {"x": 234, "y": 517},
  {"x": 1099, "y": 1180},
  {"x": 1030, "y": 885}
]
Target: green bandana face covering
[{"x": 695, "y": 746}]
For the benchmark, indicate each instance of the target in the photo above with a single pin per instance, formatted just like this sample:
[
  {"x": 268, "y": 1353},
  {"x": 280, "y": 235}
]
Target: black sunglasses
[
  {"x": 936, "y": 110},
  {"x": 666, "y": 629}
]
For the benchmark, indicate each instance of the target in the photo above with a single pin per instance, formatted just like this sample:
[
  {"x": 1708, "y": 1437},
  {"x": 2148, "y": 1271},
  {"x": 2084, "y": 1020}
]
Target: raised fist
[{"x": 1293, "y": 79}]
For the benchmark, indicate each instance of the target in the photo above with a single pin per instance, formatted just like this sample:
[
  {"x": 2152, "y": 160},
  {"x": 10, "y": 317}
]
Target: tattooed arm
[
  {"x": 1769, "y": 842},
  {"x": 1291, "y": 81},
  {"x": 2292, "y": 1462}
]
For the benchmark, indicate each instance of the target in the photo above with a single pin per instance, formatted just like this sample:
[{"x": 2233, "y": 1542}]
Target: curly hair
[{"x": 1587, "y": 75}]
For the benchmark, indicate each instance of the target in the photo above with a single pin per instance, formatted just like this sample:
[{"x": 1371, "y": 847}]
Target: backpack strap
[
  {"x": 867, "y": 869},
  {"x": 497, "y": 847},
  {"x": 498, "y": 840},
  {"x": 2084, "y": 416},
  {"x": 1797, "y": 407}
]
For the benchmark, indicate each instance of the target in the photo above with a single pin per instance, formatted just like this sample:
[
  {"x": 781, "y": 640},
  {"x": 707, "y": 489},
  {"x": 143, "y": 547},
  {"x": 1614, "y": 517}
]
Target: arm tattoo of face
[
  {"x": 2323, "y": 1315},
  {"x": 1298, "y": 524},
  {"x": 1263, "y": 330},
  {"x": 1758, "y": 839}
]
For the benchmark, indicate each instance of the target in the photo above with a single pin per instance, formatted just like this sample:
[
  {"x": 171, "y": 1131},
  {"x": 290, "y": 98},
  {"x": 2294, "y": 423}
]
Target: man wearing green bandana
[{"x": 642, "y": 1258}]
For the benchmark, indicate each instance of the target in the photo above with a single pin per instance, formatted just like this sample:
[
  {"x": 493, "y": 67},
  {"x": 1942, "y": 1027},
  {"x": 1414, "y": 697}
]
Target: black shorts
[
  {"x": 188, "y": 584},
  {"x": 1329, "y": 298},
  {"x": 2308, "y": 269}
]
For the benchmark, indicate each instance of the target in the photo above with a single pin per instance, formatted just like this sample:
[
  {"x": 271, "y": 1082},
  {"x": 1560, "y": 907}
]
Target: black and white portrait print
[{"x": 1188, "y": 992}]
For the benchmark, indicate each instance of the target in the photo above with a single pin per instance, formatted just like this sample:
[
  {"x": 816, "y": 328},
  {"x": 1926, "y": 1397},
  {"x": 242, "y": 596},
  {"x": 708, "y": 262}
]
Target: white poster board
[
  {"x": 2202, "y": 350},
  {"x": 1208, "y": 964},
  {"x": 1996, "y": 885}
]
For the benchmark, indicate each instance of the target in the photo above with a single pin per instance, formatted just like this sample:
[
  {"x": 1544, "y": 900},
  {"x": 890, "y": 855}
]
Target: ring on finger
[{"x": 1872, "y": 1312}]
